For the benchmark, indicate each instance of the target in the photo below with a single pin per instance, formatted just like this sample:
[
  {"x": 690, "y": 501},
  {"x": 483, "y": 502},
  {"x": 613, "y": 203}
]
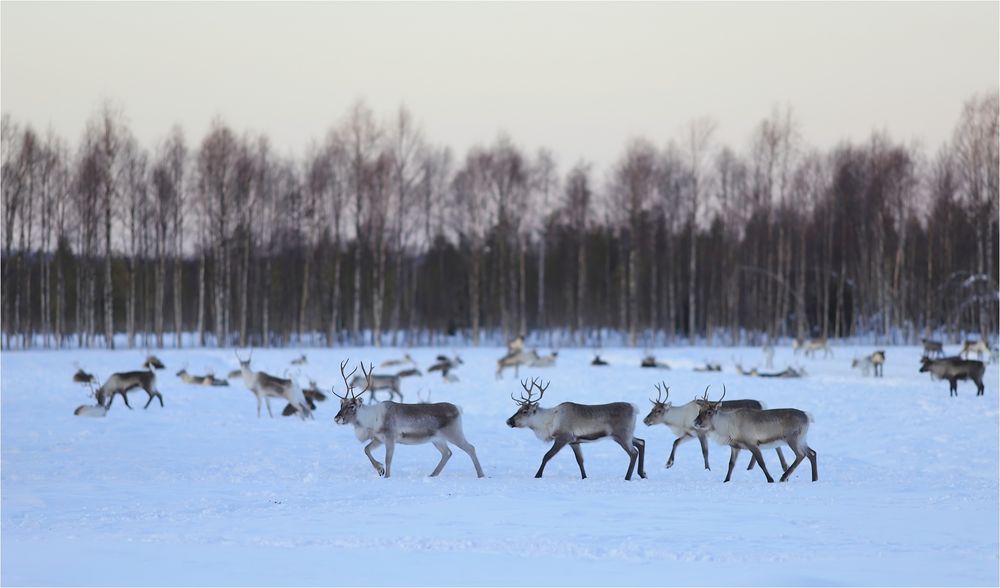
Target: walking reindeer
[
  {"x": 572, "y": 424},
  {"x": 387, "y": 423}
]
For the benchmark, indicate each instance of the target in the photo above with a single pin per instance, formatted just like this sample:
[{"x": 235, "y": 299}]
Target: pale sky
[{"x": 578, "y": 78}]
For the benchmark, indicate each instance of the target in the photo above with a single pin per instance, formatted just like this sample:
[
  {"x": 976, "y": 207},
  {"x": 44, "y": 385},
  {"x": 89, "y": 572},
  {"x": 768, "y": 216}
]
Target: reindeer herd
[{"x": 738, "y": 424}]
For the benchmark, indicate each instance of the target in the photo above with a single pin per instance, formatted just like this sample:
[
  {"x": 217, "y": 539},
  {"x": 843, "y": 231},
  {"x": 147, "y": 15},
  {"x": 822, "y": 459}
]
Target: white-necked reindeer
[
  {"x": 571, "y": 424},
  {"x": 751, "y": 429},
  {"x": 680, "y": 420},
  {"x": 390, "y": 422},
  {"x": 265, "y": 386}
]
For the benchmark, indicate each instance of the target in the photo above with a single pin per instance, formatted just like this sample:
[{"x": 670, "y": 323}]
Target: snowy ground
[{"x": 202, "y": 492}]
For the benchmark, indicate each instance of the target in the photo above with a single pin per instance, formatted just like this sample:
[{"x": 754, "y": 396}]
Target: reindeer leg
[
  {"x": 781, "y": 458},
  {"x": 755, "y": 450},
  {"x": 703, "y": 441},
  {"x": 375, "y": 444},
  {"x": 390, "y": 446},
  {"x": 125, "y": 398},
  {"x": 267, "y": 402},
  {"x": 258, "y": 404},
  {"x": 673, "y": 450},
  {"x": 558, "y": 444},
  {"x": 812, "y": 461},
  {"x": 458, "y": 439},
  {"x": 632, "y": 452},
  {"x": 640, "y": 445},
  {"x": 442, "y": 446},
  {"x": 579, "y": 459},
  {"x": 735, "y": 452},
  {"x": 799, "y": 456}
]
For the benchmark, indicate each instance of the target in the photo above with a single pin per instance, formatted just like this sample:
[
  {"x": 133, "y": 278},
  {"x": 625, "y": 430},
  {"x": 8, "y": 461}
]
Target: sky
[{"x": 578, "y": 78}]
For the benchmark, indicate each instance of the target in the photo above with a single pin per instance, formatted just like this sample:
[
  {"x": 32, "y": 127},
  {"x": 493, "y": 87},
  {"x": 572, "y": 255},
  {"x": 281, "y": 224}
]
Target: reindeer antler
[
  {"x": 529, "y": 388},
  {"x": 347, "y": 383},
  {"x": 659, "y": 392},
  {"x": 368, "y": 378},
  {"x": 719, "y": 403},
  {"x": 541, "y": 389}
]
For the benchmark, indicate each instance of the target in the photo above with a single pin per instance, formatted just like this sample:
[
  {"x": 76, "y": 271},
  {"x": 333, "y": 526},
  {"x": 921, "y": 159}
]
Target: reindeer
[
  {"x": 747, "y": 428},
  {"x": 597, "y": 361},
  {"x": 394, "y": 362},
  {"x": 680, "y": 420},
  {"x": 265, "y": 387},
  {"x": 868, "y": 363},
  {"x": 407, "y": 373},
  {"x": 978, "y": 347},
  {"x": 515, "y": 345},
  {"x": 954, "y": 369},
  {"x": 444, "y": 365},
  {"x": 709, "y": 367},
  {"x": 312, "y": 395},
  {"x": 810, "y": 347},
  {"x": 515, "y": 359},
  {"x": 390, "y": 422},
  {"x": 300, "y": 360},
  {"x": 650, "y": 362},
  {"x": 933, "y": 349},
  {"x": 378, "y": 382},
  {"x": 543, "y": 361},
  {"x": 153, "y": 362},
  {"x": 571, "y": 424},
  {"x": 89, "y": 410},
  {"x": 123, "y": 383},
  {"x": 207, "y": 380}
]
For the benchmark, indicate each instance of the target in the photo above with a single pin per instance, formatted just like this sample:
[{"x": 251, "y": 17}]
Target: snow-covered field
[{"x": 202, "y": 492}]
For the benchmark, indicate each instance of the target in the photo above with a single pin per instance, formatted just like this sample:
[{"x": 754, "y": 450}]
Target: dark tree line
[{"x": 375, "y": 235}]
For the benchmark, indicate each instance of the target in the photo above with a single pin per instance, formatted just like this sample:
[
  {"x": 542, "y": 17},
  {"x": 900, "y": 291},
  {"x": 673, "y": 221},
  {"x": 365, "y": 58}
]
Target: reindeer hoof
[{"x": 669, "y": 464}]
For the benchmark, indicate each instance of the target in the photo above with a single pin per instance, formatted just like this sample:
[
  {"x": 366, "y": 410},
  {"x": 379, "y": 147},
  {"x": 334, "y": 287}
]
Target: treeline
[{"x": 376, "y": 235}]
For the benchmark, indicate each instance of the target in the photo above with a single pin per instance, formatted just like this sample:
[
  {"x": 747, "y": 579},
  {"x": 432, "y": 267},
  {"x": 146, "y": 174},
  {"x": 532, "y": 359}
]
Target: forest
[{"x": 375, "y": 235}]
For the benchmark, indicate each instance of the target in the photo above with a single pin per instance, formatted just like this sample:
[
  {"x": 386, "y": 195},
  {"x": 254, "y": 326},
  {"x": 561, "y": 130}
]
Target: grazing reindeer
[
  {"x": 810, "y": 347},
  {"x": 571, "y": 424},
  {"x": 868, "y": 363},
  {"x": 515, "y": 359},
  {"x": 978, "y": 347},
  {"x": 208, "y": 380},
  {"x": 954, "y": 369},
  {"x": 378, "y": 382},
  {"x": 444, "y": 365},
  {"x": 933, "y": 349},
  {"x": 300, "y": 360},
  {"x": 123, "y": 383},
  {"x": 544, "y": 360},
  {"x": 153, "y": 362},
  {"x": 394, "y": 362},
  {"x": 680, "y": 420},
  {"x": 747, "y": 428},
  {"x": 389, "y": 423},
  {"x": 265, "y": 387}
]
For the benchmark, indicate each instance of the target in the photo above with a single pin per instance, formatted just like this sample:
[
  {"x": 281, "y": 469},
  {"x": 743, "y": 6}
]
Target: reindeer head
[
  {"x": 244, "y": 364},
  {"x": 528, "y": 404},
  {"x": 661, "y": 406},
  {"x": 708, "y": 410},
  {"x": 350, "y": 402}
]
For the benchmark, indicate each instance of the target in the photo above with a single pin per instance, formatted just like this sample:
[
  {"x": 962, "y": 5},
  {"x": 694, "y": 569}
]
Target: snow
[{"x": 202, "y": 492}]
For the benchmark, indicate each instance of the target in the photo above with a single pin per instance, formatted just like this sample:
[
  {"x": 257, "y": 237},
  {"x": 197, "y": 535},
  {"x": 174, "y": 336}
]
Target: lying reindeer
[
  {"x": 954, "y": 369},
  {"x": 680, "y": 420},
  {"x": 300, "y": 360},
  {"x": 543, "y": 361},
  {"x": 123, "y": 383},
  {"x": 265, "y": 387},
  {"x": 394, "y": 362},
  {"x": 571, "y": 424},
  {"x": 88, "y": 409},
  {"x": 597, "y": 361},
  {"x": 709, "y": 367},
  {"x": 312, "y": 395},
  {"x": 746, "y": 428},
  {"x": 933, "y": 349},
  {"x": 650, "y": 362},
  {"x": 207, "y": 380},
  {"x": 389, "y": 423}
]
